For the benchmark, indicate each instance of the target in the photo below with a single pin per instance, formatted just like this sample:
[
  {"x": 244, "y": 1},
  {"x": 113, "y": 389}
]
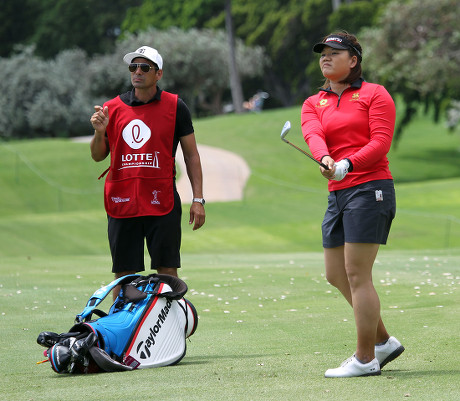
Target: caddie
[{"x": 141, "y": 130}]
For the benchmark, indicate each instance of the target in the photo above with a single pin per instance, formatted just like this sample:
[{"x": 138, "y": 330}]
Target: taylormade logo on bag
[{"x": 143, "y": 348}]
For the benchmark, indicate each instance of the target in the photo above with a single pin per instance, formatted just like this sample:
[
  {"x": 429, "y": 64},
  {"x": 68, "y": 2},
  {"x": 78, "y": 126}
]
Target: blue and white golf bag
[{"x": 145, "y": 327}]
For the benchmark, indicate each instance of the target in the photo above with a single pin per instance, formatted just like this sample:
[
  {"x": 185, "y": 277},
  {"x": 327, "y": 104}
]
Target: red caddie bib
[{"x": 141, "y": 176}]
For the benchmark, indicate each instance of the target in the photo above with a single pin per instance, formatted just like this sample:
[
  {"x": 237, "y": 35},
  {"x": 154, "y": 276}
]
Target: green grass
[
  {"x": 270, "y": 325},
  {"x": 50, "y": 192}
]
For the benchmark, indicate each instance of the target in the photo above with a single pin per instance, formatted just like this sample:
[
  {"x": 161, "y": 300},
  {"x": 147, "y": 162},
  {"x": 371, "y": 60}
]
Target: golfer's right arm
[{"x": 99, "y": 143}]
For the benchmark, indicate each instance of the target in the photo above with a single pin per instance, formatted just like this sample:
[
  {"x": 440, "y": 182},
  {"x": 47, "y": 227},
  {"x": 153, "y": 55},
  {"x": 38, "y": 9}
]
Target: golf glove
[{"x": 341, "y": 169}]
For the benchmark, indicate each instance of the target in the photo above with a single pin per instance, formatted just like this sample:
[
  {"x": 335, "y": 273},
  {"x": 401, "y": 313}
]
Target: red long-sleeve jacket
[{"x": 358, "y": 125}]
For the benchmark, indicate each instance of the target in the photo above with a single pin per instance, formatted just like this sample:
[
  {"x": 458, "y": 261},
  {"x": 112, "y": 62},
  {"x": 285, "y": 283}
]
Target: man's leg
[
  {"x": 172, "y": 271},
  {"x": 163, "y": 237},
  {"x": 126, "y": 241},
  {"x": 117, "y": 289}
]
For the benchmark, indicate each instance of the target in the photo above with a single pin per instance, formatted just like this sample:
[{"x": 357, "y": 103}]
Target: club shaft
[{"x": 306, "y": 154}]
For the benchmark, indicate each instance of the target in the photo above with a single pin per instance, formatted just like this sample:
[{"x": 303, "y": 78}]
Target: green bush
[{"x": 55, "y": 97}]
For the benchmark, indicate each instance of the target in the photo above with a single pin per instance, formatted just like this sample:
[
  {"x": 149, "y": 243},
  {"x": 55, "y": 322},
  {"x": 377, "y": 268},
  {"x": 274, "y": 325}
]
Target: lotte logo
[{"x": 136, "y": 134}]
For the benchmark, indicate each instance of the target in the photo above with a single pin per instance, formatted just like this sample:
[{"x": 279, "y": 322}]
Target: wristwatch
[{"x": 199, "y": 200}]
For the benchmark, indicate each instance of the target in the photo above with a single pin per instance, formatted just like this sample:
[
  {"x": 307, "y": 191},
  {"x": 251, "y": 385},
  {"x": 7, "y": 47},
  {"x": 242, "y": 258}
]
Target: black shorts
[
  {"x": 162, "y": 235},
  {"x": 361, "y": 214}
]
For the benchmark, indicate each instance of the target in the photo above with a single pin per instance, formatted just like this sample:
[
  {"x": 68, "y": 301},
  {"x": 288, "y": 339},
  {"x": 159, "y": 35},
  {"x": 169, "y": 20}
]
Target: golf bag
[{"x": 145, "y": 327}]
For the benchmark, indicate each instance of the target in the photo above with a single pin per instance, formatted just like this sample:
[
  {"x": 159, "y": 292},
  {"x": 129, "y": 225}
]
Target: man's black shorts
[
  {"x": 361, "y": 214},
  {"x": 162, "y": 235}
]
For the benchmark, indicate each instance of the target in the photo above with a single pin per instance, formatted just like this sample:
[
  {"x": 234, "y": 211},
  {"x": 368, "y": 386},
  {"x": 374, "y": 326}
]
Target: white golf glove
[{"x": 341, "y": 169}]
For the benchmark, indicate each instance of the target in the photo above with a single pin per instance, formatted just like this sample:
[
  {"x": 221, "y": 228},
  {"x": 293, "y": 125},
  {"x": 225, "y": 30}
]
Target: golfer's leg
[
  {"x": 336, "y": 275},
  {"x": 359, "y": 260},
  {"x": 334, "y": 261}
]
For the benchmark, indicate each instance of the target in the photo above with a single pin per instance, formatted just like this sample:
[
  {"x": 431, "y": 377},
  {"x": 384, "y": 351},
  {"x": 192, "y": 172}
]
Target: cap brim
[
  {"x": 128, "y": 58},
  {"x": 318, "y": 48}
]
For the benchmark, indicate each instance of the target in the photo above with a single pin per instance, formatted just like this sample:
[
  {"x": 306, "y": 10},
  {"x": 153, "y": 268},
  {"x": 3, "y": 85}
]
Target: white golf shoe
[
  {"x": 353, "y": 368},
  {"x": 387, "y": 352}
]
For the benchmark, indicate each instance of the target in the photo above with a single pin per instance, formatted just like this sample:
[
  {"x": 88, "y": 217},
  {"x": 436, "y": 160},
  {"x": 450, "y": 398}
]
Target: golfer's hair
[{"x": 357, "y": 71}]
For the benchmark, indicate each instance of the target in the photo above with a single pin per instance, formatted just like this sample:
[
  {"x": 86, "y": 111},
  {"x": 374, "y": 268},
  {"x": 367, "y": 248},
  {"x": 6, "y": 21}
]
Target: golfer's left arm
[
  {"x": 195, "y": 175},
  {"x": 382, "y": 116}
]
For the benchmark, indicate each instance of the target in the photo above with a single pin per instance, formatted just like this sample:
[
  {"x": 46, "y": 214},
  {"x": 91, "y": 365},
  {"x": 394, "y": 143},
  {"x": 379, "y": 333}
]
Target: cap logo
[{"x": 333, "y": 39}]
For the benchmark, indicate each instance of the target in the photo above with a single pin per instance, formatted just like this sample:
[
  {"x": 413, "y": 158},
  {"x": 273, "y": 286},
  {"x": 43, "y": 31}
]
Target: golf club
[{"x": 284, "y": 132}]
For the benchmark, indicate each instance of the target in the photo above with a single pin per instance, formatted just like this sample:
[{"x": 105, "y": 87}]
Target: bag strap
[
  {"x": 178, "y": 287},
  {"x": 100, "y": 295},
  {"x": 178, "y": 290},
  {"x": 175, "y": 290}
]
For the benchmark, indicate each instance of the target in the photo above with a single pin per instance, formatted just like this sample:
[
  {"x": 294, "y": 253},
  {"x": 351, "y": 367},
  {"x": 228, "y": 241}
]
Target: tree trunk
[
  {"x": 335, "y": 4},
  {"x": 235, "y": 81}
]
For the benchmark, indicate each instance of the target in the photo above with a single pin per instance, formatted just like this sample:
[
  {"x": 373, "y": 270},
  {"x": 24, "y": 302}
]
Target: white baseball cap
[{"x": 146, "y": 52}]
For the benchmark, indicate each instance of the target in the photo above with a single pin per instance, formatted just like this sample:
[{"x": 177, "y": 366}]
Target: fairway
[
  {"x": 270, "y": 324},
  {"x": 269, "y": 327}
]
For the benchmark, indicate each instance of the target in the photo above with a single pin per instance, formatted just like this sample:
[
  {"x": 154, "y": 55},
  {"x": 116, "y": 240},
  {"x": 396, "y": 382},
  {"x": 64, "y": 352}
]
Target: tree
[
  {"x": 163, "y": 14},
  {"x": 18, "y": 23},
  {"x": 286, "y": 30},
  {"x": 275, "y": 25},
  {"x": 44, "y": 97},
  {"x": 356, "y": 15},
  {"x": 415, "y": 52},
  {"x": 235, "y": 82},
  {"x": 337, "y": 3},
  {"x": 55, "y": 97},
  {"x": 196, "y": 63},
  {"x": 86, "y": 24}
]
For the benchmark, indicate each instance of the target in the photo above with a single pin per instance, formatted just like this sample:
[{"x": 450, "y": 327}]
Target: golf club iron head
[{"x": 285, "y": 130}]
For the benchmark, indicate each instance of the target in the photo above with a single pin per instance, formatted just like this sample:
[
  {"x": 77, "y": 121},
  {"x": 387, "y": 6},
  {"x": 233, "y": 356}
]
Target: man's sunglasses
[{"x": 143, "y": 66}]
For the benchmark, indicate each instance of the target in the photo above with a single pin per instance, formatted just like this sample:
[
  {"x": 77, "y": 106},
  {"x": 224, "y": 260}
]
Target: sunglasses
[{"x": 143, "y": 66}]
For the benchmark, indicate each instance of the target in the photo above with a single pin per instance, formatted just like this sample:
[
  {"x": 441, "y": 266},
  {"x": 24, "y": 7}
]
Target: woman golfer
[{"x": 349, "y": 126}]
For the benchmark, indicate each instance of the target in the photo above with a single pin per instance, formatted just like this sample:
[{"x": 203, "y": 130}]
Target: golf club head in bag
[{"x": 72, "y": 355}]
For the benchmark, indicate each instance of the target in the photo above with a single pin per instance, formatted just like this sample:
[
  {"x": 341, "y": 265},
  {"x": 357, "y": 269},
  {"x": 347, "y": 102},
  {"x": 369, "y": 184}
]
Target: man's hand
[
  {"x": 197, "y": 215},
  {"x": 100, "y": 119},
  {"x": 99, "y": 144}
]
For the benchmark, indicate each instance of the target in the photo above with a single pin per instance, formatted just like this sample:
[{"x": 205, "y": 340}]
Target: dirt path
[{"x": 224, "y": 175}]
